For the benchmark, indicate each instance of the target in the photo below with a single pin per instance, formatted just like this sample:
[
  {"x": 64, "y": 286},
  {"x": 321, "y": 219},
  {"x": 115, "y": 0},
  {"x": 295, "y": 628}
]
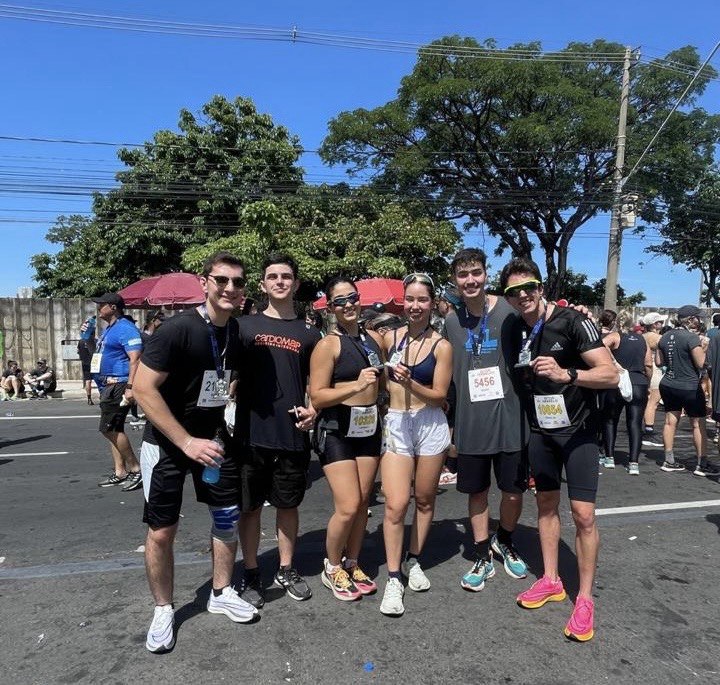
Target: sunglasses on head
[
  {"x": 419, "y": 278},
  {"x": 527, "y": 286},
  {"x": 352, "y": 298},
  {"x": 222, "y": 281}
]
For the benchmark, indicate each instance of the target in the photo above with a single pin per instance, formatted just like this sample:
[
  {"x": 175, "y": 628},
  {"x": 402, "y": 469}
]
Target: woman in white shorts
[{"x": 416, "y": 436}]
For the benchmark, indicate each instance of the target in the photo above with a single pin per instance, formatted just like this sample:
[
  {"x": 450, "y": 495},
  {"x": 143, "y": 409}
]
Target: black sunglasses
[
  {"x": 527, "y": 286},
  {"x": 352, "y": 298},
  {"x": 222, "y": 281}
]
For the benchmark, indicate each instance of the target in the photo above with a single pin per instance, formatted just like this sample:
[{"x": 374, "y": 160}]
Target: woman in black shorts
[{"x": 344, "y": 382}]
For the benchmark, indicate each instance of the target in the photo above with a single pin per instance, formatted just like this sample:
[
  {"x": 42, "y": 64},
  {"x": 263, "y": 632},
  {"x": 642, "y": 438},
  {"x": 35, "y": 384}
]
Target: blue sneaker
[
  {"x": 474, "y": 579},
  {"x": 512, "y": 561}
]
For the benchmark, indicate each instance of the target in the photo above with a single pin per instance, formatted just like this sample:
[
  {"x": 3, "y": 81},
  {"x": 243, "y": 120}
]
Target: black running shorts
[
  {"x": 278, "y": 476},
  {"x": 692, "y": 400},
  {"x": 112, "y": 415},
  {"x": 576, "y": 453},
  {"x": 473, "y": 472},
  {"x": 164, "y": 470}
]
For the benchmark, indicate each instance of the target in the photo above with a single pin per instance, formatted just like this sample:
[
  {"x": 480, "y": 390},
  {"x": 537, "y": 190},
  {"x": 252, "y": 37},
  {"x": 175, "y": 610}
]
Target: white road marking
[
  {"x": 30, "y": 454},
  {"x": 46, "y": 418},
  {"x": 659, "y": 507}
]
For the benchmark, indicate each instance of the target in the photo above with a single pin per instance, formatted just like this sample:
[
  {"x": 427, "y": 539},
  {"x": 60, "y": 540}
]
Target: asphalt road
[{"x": 74, "y": 605}]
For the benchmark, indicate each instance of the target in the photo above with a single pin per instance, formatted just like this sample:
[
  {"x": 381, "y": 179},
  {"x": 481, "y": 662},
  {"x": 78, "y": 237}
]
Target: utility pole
[{"x": 613, "y": 260}]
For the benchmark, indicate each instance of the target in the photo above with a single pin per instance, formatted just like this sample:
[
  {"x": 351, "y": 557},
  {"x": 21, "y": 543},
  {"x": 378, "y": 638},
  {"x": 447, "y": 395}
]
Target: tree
[
  {"x": 182, "y": 189},
  {"x": 691, "y": 235},
  {"x": 336, "y": 229},
  {"x": 525, "y": 145}
]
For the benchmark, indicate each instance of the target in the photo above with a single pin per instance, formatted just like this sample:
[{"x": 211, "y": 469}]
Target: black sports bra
[{"x": 353, "y": 357}]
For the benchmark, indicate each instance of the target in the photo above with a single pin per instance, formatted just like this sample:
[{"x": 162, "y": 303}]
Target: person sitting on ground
[
  {"x": 12, "y": 381},
  {"x": 42, "y": 380}
]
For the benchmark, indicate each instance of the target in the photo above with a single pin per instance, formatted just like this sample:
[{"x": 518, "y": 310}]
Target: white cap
[{"x": 651, "y": 318}]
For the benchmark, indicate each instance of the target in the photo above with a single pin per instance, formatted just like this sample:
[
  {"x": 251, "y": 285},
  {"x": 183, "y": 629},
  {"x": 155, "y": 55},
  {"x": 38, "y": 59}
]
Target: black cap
[
  {"x": 42, "y": 361},
  {"x": 110, "y": 298},
  {"x": 157, "y": 314},
  {"x": 688, "y": 310}
]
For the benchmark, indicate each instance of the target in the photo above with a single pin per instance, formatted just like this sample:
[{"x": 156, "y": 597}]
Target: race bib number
[
  {"x": 363, "y": 422},
  {"x": 95, "y": 363},
  {"x": 210, "y": 395},
  {"x": 551, "y": 411},
  {"x": 485, "y": 384}
]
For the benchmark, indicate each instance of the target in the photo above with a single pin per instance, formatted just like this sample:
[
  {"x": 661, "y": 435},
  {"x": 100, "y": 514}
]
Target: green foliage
[
  {"x": 180, "y": 190},
  {"x": 691, "y": 234},
  {"x": 524, "y": 147}
]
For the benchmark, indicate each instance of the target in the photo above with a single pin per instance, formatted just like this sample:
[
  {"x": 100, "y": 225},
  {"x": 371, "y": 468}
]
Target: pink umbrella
[
  {"x": 168, "y": 290},
  {"x": 388, "y": 291}
]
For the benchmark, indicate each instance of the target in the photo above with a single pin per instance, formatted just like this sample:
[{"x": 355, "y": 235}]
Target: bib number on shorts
[
  {"x": 363, "y": 422},
  {"x": 551, "y": 411},
  {"x": 485, "y": 384},
  {"x": 95, "y": 362},
  {"x": 209, "y": 394}
]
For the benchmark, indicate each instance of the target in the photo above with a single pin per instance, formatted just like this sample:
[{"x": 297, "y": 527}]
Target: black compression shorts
[
  {"x": 576, "y": 453},
  {"x": 692, "y": 400}
]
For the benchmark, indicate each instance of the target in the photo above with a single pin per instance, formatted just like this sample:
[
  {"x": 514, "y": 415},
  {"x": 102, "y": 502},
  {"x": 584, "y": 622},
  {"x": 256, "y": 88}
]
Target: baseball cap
[
  {"x": 42, "y": 361},
  {"x": 651, "y": 318},
  {"x": 688, "y": 310},
  {"x": 157, "y": 314},
  {"x": 110, "y": 298},
  {"x": 450, "y": 294},
  {"x": 368, "y": 315}
]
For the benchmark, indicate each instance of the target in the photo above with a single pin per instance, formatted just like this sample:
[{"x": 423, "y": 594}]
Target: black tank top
[
  {"x": 353, "y": 357},
  {"x": 630, "y": 354}
]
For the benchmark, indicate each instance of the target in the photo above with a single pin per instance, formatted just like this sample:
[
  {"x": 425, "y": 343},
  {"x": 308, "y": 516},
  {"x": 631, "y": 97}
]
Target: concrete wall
[{"x": 34, "y": 328}]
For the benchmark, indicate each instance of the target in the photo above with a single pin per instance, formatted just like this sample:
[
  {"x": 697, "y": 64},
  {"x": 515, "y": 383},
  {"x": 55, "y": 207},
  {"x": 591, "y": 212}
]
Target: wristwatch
[{"x": 573, "y": 376}]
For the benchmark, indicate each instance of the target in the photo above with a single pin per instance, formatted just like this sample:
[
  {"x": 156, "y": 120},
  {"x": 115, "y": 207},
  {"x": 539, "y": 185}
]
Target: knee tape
[{"x": 225, "y": 520}]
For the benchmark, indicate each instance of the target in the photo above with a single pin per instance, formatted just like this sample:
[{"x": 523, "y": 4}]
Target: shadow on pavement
[
  {"x": 20, "y": 441},
  {"x": 6, "y": 461}
]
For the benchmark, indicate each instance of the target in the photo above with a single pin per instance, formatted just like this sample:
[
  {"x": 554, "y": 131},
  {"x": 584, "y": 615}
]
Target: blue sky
[{"x": 81, "y": 83}]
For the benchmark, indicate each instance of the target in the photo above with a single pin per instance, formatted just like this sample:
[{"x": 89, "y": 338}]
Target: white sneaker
[
  {"x": 633, "y": 468},
  {"x": 230, "y": 604},
  {"x": 161, "y": 636},
  {"x": 392, "y": 602},
  {"x": 417, "y": 580}
]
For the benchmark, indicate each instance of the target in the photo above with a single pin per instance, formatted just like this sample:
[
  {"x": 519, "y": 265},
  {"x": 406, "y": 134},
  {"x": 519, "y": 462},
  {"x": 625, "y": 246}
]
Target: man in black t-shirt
[
  {"x": 275, "y": 349},
  {"x": 562, "y": 361},
  {"x": 182, "y": 384},
  {"x": 41, "y": 380}
]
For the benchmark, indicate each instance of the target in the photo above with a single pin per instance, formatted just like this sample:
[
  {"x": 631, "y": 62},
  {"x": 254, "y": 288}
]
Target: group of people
[
  {"x": 234, "y": 401},
  {"x": 672, "y": 364},
  {"x": 40, "y": 382}
]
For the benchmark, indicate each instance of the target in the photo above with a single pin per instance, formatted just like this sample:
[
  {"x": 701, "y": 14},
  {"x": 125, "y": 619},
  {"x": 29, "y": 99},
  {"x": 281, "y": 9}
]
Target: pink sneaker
[
  {"x": 362, "y": 581},
  {"x": 541, "y": 591},
  {"x": 580, "y": 625}
]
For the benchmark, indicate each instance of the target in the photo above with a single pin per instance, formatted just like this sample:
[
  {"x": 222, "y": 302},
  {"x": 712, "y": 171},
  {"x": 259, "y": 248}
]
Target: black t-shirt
[
  {"x": 37, "y": 371},
  {"x": 273, "y": 369},
  {"x": 564, "y": 337},
  {"x": 181, "y": 348},
  {"x": 12, "y": 372}
]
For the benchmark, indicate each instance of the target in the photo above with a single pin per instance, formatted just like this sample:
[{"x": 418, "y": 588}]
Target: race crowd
[{"x": 513, "y": 386}]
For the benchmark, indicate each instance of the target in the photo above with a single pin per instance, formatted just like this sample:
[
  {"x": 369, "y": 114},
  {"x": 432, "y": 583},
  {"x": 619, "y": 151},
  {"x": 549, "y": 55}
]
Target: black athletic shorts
[
  {"x": 692, "y": 400},
  {"x": 85, "y": 355},
  {"x": 163, "y": 472},
  {"x": 112, "y": 415},
  {"x": 576, "y": 453},
  {"x": 511, "y": 471},
  {"x": 278, "y": 476}
]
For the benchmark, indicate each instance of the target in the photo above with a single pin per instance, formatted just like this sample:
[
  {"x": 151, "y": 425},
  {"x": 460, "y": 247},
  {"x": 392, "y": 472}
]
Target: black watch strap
[{"x": 573, "y": 376}]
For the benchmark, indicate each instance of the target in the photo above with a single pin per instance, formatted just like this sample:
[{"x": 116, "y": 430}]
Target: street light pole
[{"x": 615, "y": 239}]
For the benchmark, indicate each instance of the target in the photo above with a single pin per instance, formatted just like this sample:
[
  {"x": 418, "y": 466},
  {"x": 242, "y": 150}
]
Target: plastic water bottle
[
  {"x": 211, "y": 474},
  {"x": 87, "y": 331}
]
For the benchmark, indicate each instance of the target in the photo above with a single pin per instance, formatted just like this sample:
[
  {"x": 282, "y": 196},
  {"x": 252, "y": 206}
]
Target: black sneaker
[
  {"x": 672, "y": 468},
  {"x": 112, "y": 479},
  {"x": 293, "y": 583},
  {"x": 251, "y": 590},
  {"x": 707, "y": 468},
  {"x": 134, "y": 481},
  {"x": 648, "y": 430}
]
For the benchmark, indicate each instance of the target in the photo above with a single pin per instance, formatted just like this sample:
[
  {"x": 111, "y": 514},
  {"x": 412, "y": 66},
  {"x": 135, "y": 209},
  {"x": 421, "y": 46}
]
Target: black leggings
[{"x": 612, "y": 406}]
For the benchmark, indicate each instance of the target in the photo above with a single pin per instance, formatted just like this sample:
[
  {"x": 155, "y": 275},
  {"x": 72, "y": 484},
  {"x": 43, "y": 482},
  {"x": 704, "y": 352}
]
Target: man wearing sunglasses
[
  {"x": 560, "y": 364},
  {"x": 275, "y": 349},
  {"x": 490, "y": 433},
  {"x": 183, "y": 386}
]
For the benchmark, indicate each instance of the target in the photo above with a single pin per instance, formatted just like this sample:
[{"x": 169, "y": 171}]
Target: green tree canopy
[
  {"x": 525, "y": 146},
  {"x": 183, "y": 188},
  {"x": 691, "y": 234}
]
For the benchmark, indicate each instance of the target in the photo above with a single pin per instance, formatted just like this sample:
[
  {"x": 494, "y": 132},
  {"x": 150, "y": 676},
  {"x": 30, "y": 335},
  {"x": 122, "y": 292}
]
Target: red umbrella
[
  {"x": 168, "y": 290},
  {"x": 388, "y": 291}
]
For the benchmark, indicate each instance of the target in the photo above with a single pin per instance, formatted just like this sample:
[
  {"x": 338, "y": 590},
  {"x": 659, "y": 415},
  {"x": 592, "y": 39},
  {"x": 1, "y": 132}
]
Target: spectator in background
[
  {"x": 86, "y": 349},
  {"x": 712, "y": 332},
  {"x": 153, "y": 321},
  {"x": 652, "y": 323},
  {"x": 12, "y": 381},
  {"x": 42, "y": 380}
]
